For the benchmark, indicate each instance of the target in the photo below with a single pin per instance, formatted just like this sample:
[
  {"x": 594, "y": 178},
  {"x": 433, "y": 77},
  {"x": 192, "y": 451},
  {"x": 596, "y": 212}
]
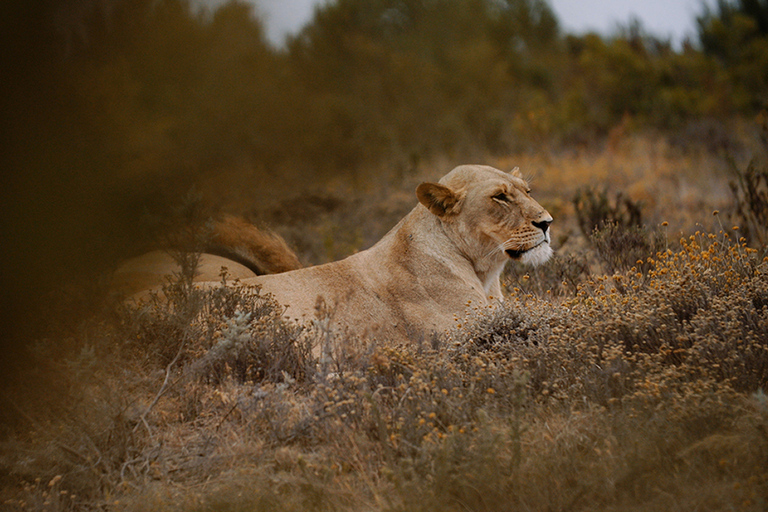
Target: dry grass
[
  {"x": 676, "y": 184},
  {"x": 603, "y": 384}
]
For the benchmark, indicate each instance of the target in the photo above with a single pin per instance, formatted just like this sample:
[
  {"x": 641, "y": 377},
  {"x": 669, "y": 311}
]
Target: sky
[{"x": 674, "y": 19}]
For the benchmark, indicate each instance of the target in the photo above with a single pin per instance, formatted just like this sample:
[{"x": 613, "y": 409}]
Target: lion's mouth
[{"x": 516, "y": 254}]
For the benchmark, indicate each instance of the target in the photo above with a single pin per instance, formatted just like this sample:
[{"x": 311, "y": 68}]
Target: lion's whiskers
[
  {"x": 496, "y": 248},
  {"x": 515, "y": 243},
  {"x": 509, "y": 243}
]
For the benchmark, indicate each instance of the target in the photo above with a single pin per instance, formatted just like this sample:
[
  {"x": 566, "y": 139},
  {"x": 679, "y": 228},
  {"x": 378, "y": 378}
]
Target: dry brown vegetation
[
  {"x": 603, "y": 384},
  {"x": 626, "y": 374}
]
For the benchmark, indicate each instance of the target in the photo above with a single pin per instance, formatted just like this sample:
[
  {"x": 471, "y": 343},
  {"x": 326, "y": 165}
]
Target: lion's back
[{"x": 139, "y": 277}]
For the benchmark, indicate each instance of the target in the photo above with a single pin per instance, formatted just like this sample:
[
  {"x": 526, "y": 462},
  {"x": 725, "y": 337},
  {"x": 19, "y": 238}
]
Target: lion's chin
[{"x": 534, "y": 256}]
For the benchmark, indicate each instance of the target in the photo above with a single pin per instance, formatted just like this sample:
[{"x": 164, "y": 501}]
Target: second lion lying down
[{"x": 445, "y": 255}]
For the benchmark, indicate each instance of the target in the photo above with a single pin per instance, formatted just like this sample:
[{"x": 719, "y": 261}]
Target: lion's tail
[{"x": 261, "y": 251}]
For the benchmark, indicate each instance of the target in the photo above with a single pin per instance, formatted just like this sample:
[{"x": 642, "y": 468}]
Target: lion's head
[{"x": 490, "y": 216}]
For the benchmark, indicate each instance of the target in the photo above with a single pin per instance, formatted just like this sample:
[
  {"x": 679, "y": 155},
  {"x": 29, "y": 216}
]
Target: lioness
[{"x": 444, "y": 256}]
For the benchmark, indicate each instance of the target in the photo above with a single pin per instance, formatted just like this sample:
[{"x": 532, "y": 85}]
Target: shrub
[
  {"x": 749, "y": 190},
  {"x": 619, "y": 248},
  {"x": 559, "y": 278},
  {"x": 615, "y": 229},
  {"x": 639, "y": 390},
  {"x": 594, "y": 209},
  {"x": 638, "y": 383}
]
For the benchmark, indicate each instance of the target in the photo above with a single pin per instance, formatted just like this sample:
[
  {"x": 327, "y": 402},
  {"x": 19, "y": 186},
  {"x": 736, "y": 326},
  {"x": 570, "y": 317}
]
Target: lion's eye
[{"x": 501, "y": 197}]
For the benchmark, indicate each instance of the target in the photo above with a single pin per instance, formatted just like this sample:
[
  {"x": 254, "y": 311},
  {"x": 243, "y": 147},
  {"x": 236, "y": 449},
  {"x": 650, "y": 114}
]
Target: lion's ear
[
  {"x": 438, "y": 199},
  {"x": 516, "y": 173}
]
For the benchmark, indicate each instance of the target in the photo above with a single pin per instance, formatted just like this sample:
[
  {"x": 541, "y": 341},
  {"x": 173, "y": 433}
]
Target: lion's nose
[{"x": 543, "y": 225}]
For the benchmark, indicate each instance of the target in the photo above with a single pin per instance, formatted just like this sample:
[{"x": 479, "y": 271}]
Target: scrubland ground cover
[
  {"x": 626, "y": 374},
  {"x": 613, "y": 379}
]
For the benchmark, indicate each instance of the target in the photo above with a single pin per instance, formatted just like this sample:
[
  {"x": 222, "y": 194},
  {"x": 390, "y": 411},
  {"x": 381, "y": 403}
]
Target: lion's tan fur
[
  {"x": 139, "y": 277},
  {"x": 234, "y": 245},
  {"x": 261, "y": 251},
  {"x": 446, "y": 255}
]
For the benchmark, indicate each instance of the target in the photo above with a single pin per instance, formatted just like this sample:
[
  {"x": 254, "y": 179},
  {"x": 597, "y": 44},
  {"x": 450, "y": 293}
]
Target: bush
[
  {"x": 749, "y": 190},
  {"x": 594, "y": 210},
  {"x": 639, "y": 390},
  {"x": 620, "y": 248},
  {"x": 615, "y": 229}
]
